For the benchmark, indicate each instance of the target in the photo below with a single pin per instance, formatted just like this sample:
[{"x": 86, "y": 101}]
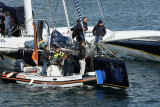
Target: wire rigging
[
  {"x": 101, "y": 13},
  {"x": 49, "y": 10}
]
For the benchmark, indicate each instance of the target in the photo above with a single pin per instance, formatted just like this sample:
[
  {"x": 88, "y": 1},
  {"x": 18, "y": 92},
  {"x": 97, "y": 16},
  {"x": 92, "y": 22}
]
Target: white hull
[
  {"x": 119, "y": 50},
  {"x": 12, "y": 45},
  {"x": 55, "y": 76}
]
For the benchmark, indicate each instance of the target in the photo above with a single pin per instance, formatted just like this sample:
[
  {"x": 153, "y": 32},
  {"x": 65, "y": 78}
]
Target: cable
[
  {"x": 101, "y": 13},
  {"x": 102, "y": 44},
  {"x": 49, "y": 13},
  {"x": 30, "y": 18}
]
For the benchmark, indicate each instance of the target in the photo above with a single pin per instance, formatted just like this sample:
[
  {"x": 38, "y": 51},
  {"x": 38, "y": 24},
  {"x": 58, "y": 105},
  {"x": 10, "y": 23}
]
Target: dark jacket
[
  {"x": 45, "y": 56},
  {"x": 85, "y": 26},
  {"x": 78, "y": 30},
  {"x": 99, "y": 30},
  {"x": 81, "y": 53},
  {"x": 2, "y": 27},
  {"x": 69, "y": 64}
]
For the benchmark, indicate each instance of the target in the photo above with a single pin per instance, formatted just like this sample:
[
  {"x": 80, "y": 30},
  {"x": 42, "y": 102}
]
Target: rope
[
  {"x": 30, "y": 18},
  {"x": 17, "y": 3},
  {"x": 55, "y": 11},
  {"x": 102, "y": 50},
  {"x": 101, "y": 13},
  {"x": 49, "y": 13},
  {"x": 102, "y": 44},
  {"x": 62, "y": 16}
]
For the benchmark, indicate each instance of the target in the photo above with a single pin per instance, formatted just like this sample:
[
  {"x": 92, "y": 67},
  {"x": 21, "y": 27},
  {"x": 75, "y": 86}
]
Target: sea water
[{"x": 144, "y": 76}]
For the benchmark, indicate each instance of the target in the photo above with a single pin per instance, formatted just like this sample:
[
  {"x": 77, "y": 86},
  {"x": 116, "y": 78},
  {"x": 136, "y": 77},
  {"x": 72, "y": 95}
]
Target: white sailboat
[
  {"x": 139, "y": 43},
  {"x": 100, "y": 71}
]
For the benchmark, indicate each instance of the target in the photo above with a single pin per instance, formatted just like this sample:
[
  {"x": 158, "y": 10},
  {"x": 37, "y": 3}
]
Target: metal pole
[{"x": 28, "y": 17}]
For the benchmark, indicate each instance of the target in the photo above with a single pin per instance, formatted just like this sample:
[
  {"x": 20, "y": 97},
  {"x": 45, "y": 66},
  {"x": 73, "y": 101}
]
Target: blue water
[{"x": 144, "y": 76}]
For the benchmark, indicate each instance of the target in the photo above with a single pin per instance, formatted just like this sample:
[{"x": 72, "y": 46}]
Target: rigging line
[
  {"x": 17, "y": 3},
  {"x": 62, "y": 16},
  {"x": 102, "y": 44},
  {"x": 49, "y": 13},
  {"x": 55, "y": 11},
  {"x": 30, "y": 18},
  {"x": 111, "y": 52},
  {"x": 102, "y": 49},
  {"x": 101, "y": 13}
]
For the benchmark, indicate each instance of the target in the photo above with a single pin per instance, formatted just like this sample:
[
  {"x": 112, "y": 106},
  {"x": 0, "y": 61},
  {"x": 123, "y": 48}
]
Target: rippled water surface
[{"x": 144, "y": 76}]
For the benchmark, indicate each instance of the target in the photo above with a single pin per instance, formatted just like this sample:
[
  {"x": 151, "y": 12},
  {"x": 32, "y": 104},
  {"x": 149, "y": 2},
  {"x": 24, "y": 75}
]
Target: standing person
[
  {"x": 78, "y": 32},
  {"x": 8, "y": 27},
  {"x": 99, "y": 31},
  {"x": 44, "y": 59},
  {"x": 82, "y": 57},
  {"x": 85, "y": 24}
]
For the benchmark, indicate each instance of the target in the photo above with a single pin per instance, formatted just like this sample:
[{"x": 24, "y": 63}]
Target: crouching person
[
  {"x": 45, "y": 59},
  {"x": 67, "y": 62},
  {"x": 57, "y": 55},
  {"x": 68, "y": 65}
]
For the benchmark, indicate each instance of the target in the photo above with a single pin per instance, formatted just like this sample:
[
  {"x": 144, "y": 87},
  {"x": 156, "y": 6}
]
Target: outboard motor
[{"x": 19, "y": 65}]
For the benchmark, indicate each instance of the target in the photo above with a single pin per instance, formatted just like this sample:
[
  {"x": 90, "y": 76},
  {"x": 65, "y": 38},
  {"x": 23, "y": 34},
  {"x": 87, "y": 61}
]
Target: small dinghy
[{"x": 99, "y": 71}]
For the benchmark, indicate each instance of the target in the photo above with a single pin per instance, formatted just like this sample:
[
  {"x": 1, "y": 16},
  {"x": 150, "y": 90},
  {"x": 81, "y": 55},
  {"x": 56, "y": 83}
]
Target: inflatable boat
[{"x": 99, "y": 71}]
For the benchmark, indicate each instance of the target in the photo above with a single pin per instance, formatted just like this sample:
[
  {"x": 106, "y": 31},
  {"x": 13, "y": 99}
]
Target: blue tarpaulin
[{"x": 57, "y": 39}]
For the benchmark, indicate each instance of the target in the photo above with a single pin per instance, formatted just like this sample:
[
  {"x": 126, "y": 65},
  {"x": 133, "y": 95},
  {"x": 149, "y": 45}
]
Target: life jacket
[{"x": 56, "y": 55}]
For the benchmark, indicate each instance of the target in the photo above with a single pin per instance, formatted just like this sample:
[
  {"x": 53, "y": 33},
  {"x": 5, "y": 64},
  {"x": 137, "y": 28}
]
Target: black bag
[{"x": 6, "y": 32}]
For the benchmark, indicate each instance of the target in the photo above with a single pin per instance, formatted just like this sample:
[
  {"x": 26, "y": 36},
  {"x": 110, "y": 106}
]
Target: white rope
[
  {"x": 104, "y": 46},
  {"x": 101, "y": 13}
]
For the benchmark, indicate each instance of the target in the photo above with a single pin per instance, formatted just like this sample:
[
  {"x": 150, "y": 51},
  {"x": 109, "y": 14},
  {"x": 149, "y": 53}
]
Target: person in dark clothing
[
  {"x": 99, "y": 31},
  {"x": 82, "y": 57},
  {"x": 44, "y": 59},
  {"x": 2, "y": 27},
  {"x": 85, "y": 24},
  {"x": 67, "y": 62},
  {"x": 78, "y": 31},
  {"x": 68, "y": 65}
]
